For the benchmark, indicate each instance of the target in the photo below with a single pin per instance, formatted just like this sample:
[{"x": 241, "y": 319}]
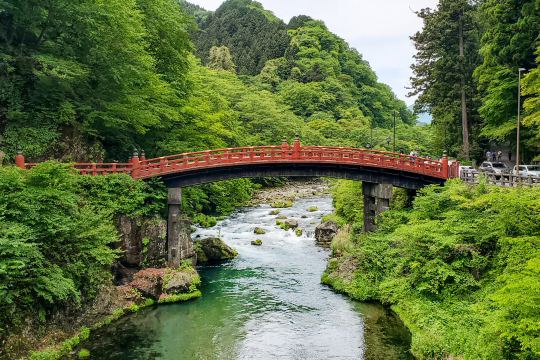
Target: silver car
[
  {"x": 530, "y": 170},
  {"x": 494, "y": 168}
]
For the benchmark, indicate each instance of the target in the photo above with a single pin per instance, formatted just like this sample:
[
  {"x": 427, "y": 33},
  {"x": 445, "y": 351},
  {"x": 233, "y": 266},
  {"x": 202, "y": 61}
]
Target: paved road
[{"x": 504, "y": 148}]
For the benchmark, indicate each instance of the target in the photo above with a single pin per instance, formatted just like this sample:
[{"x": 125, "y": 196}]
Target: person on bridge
[
  {"x": 499, "y": 156},
  {"x": 509, "y": 155},
  {"x": 494, "y": 156},
  {"x": 488, "y": 155}
]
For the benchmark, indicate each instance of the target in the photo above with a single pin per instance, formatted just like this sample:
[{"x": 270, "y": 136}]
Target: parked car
[
  {"x": 497, "y": 168},
  {"x": 465, "y": 168},
  {"x": 530, "y": 170}
]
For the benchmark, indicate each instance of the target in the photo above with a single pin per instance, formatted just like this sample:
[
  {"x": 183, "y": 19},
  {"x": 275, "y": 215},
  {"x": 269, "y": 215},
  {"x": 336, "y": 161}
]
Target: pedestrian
[
  {"x": 401, "y": 152},
  {"x": 499, "y": 155},
  {"x": 494, "y": 156},
  {"x": 488, "y": 155},
  {"x": 509, "y": 155}
]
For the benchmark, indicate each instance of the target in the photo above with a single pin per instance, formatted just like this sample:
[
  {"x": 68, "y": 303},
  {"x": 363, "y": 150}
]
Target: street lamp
[{"x": 518, "y": 121}]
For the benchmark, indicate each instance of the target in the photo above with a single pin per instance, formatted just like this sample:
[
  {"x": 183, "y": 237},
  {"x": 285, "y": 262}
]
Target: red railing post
[
  {"x": 296, "y": 147},
  {"x": 135, "y": 164},
  {"x": 19, "y": 159},
  {"x": 444, "y": 163}
]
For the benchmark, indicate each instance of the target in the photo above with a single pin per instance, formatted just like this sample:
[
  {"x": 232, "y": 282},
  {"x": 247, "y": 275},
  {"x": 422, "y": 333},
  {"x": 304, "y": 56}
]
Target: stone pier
[
  {"x": 376, "y": 201},
  {"x": 180, "y": 245}
]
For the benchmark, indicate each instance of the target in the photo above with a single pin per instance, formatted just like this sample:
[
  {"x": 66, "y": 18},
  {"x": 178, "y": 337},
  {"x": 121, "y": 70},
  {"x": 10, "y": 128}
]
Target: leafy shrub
[
  {"x": 53, "y": 241},
  {"x": 460, "y": 268}
]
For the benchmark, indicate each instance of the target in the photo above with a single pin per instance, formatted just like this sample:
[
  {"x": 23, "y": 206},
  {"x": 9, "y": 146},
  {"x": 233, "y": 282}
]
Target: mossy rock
[
  {"x": 221, "y": 218},
  {"x": 285, "y": 204},
  {"x": 299, "y": 232},
  {"x": 259, "y": 231},
  {"x": 257, "y": 242},
  {"x": 278, "y": 222},
  {"x": 193, "y": 229},
  {"x": 312, "y": 208},
  {"x": 281, "y": 217},
  {"x": 304, "y": 216},
  {"x": 213, "y": 249},
  {"x": 273, "y": 212}
]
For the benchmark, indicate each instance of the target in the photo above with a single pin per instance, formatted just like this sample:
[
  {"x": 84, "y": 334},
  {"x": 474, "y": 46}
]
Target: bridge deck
[{"x": 141, "y": 168}]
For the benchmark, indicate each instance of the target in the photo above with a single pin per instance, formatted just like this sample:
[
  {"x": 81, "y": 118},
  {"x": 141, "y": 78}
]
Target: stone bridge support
[
  {"x": 376, "y": 201},
  {"x": 180, "y": 245}
]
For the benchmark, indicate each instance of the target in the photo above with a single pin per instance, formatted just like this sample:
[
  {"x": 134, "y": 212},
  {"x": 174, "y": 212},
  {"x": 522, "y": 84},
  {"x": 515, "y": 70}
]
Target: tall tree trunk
[{"x": 464, "y": 121}]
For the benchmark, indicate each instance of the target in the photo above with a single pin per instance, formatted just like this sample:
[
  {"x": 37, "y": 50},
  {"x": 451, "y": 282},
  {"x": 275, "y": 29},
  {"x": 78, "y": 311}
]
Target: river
[{"x": 268, "y": 303}]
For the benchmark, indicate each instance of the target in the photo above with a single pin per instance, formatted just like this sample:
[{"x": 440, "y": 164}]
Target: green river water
[{"x": 268, "y": 303}]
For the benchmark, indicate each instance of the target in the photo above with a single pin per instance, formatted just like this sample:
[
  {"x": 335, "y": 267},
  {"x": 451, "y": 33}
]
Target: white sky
[{"x": 378, "y": 29}]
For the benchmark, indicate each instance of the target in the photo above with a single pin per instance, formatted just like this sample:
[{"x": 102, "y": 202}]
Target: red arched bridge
[
  {"x": 203, "y": 167},
  {"x": 377, "y": 170}
]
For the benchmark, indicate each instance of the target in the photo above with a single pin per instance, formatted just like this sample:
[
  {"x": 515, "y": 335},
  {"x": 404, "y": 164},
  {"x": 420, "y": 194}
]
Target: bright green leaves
[
  {"x": 461, "y": 268},
  {"x": 115, "y": 69},
  {"x": 56, "y": 228}
]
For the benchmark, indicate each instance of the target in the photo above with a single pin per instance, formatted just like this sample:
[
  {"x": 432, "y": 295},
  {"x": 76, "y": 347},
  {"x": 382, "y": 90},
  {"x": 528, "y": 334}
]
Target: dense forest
[{"x": 466, "y": 74}]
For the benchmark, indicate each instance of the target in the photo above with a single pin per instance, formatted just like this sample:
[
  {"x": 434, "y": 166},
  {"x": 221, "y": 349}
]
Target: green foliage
[
  {"x": 442, "y": 74},
  {"x": 460, "y": 268},
  {"x": 54, "y": 243},
  {"x": 348, "y": 200},
  {"x": 180, "y": 297},
  {"x": 204, "y": 220},
  {"x": 253, "y": 35},
  {"x": 64, "y": 65},
  {"x": 83, "y": 353}
]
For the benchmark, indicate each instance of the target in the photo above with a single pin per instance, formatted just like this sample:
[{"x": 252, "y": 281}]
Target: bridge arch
[{"x": 379, "y": 171}]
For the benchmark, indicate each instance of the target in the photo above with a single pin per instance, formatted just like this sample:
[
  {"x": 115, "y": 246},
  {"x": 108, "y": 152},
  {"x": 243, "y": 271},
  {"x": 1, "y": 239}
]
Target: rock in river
[
  {"x": 291, "y": 224},
  {"x": 257, "y": 242},
  {"x": 259, "y": 231},
  {"x": 324, "y": 233},
  {"x": 213, "y": 249}
]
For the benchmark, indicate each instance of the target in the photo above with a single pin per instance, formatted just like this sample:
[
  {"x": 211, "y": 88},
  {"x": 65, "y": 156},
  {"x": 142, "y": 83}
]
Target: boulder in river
[
  {"x": 180, "y": 282},
  {"x": 291, "y": 224},
  {"x": 299, "y": 232},
  {"x": 273, "y": 212},
  {"x": 312, "y": 209},
  {"x": 281, "y": 217},
  {"x": 259, "y": 231},
  {"x": 213, "y": 249},
  {"x": 304, "y": 216},
  {"x": 257, "y": 242},
  {"x": 324, "y": 233}
]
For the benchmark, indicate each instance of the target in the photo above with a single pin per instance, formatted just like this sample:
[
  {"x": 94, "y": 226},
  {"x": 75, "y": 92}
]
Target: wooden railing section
[
  {"x": 501, "y": 180},
  {"x": 141, "y": 168}
]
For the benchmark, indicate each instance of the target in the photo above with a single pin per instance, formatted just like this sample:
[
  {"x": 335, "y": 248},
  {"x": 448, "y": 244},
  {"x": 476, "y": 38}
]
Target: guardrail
[{"x": 501, "y": 180}]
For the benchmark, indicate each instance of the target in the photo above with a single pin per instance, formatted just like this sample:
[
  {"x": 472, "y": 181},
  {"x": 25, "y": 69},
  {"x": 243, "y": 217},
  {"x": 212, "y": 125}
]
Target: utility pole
[
  {"x": 518, "y": 120},
  {"x": 464, "y": 120},
  {"x": 394, "y": 146}
]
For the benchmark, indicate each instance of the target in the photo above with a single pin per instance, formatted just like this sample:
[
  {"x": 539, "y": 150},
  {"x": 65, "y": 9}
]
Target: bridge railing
[
  {"x": 142, "y": 168},
  {"x": 280, "y": 154}
]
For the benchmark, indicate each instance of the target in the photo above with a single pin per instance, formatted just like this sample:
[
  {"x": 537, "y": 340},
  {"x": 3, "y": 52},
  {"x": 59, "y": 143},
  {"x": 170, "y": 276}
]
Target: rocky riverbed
[{"x": 291, "y": 191}]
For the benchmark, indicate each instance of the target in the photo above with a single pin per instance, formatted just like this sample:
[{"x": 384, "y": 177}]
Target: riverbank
[{"x": 460, "y": 268}]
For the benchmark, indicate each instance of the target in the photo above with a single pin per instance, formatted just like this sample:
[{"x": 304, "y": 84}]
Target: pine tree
[{"x": 447, "y": 55}]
